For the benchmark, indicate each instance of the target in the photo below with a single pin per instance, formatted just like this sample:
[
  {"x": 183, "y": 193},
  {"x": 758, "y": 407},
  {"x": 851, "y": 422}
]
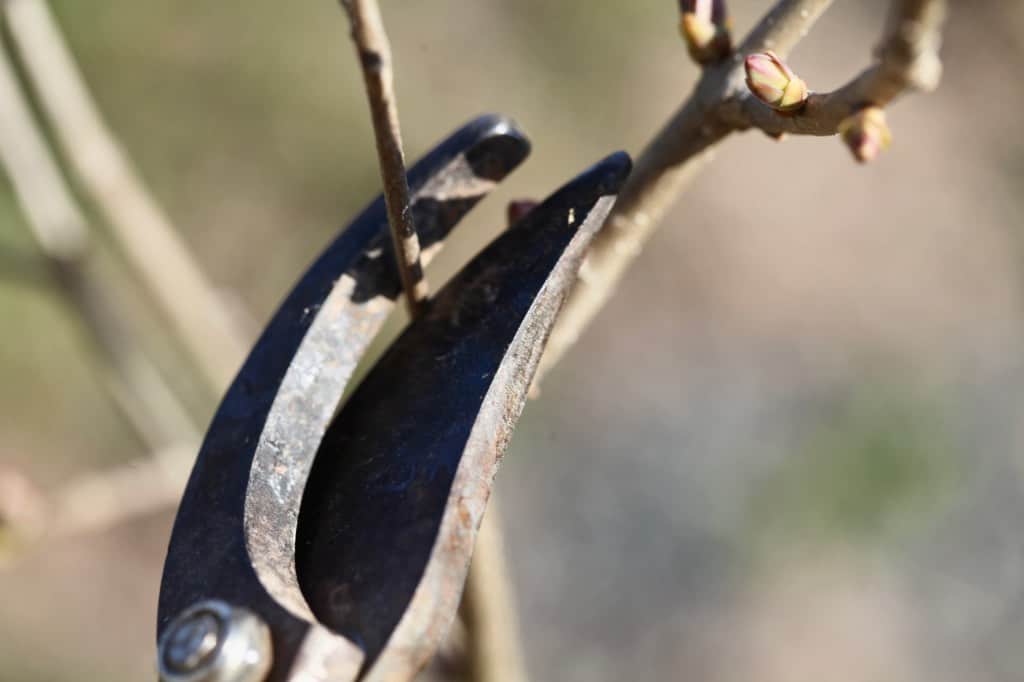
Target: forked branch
[
  {"x": 907, "y": 60},
  {"x": 722, "y": 104}
]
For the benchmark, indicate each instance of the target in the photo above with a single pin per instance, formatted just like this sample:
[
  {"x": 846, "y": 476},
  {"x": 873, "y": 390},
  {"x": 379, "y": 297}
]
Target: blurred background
[{"x": 791, "y": 448}]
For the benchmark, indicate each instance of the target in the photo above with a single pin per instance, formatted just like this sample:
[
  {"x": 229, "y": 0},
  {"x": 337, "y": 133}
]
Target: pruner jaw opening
[{"x": 348, "y": 537}]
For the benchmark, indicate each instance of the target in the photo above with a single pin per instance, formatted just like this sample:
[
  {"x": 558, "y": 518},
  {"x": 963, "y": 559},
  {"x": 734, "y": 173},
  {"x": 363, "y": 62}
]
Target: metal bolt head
[
  {"x": 192, "y": 641},
  {"x": 214, "y": 642}
]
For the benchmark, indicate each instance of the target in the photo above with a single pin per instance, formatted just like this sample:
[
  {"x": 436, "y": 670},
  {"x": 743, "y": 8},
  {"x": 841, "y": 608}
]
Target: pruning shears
[{"x": 317, "y": 541}]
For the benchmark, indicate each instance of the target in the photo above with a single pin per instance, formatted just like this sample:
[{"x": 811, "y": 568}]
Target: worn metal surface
[
  {"x": 233, "y": 538},
  {"x": 366, "y": 580},
  {"x": 402, "y": 478}
]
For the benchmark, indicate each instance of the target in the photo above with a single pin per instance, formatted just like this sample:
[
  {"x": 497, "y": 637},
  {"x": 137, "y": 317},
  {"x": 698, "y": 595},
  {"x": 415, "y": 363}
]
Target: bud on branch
[
  {"x": 866, "y": 133},
  {"x": 774, "y": 83},
  {"x": 705, "y": 27}
]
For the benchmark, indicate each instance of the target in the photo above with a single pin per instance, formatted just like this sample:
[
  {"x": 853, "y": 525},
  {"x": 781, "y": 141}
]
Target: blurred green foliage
[{"x": 879, "y": 460}]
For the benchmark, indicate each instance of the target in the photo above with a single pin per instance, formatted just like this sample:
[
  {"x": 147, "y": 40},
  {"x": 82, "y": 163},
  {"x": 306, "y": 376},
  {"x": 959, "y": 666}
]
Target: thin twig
[
  {"x": 52, "y": 214},
  {"x": 62, "y": 234},
  {"x": 62, "y": 230},
  {"x": 908, "y": 60},
  {"x": 92, "y": 502},
  {"x": 721, "y": 105},
  {"x": 105, "y": 498},
  {"x": 374, "y": 52},
  {"x": 493, "y": 647},
  {"x": 665, "y": 167},
  {"x": 133, "y": 382},
  {"x": 144, "y": 233},
  {"x": 784, "y": 26}
]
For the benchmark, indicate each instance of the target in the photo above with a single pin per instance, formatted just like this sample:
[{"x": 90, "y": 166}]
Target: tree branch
[
  {"x": 141, "y": 229},
  {"x": 62, "y": 234},
  {"x": 105, "y": 498},
  {"x": 907, "y": 59},
  {"x": 374, "y": 52},
  {"x": 488, "y": 608},
  {"x": 720, "y": 105},
  {"x": 92, "y": 502},
  {"x": 665, "y": 167},
  {"x": 133, "y": 382},
  {"x": 784, "y": 26}
]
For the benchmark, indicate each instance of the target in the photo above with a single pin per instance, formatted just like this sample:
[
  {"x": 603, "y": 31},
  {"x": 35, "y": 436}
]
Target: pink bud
[
  {"x": 774, "y": 83},
  {"x": 866, "y": 133}
]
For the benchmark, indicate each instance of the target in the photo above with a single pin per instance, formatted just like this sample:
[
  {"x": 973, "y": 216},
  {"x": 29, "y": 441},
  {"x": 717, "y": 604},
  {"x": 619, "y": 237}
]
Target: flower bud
[
  {"x": 705, "y": 27},
  {"x": 774, "y": 83},
  {"x": 866, "y": 133}
]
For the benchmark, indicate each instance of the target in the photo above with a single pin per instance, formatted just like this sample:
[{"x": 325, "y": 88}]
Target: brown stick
[
  {"x": 374, "y": 52},
  {"x": 488, "y": 606}
]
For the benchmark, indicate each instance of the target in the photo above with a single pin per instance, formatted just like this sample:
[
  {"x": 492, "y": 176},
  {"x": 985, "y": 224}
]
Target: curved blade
[
  {"x": 403, "y": 475},
  {"x": 233, "y": 538}
]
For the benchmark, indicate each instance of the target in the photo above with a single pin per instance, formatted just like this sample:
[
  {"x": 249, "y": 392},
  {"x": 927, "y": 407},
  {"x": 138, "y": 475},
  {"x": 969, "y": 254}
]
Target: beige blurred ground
[{"x": 790, "y": 449}]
